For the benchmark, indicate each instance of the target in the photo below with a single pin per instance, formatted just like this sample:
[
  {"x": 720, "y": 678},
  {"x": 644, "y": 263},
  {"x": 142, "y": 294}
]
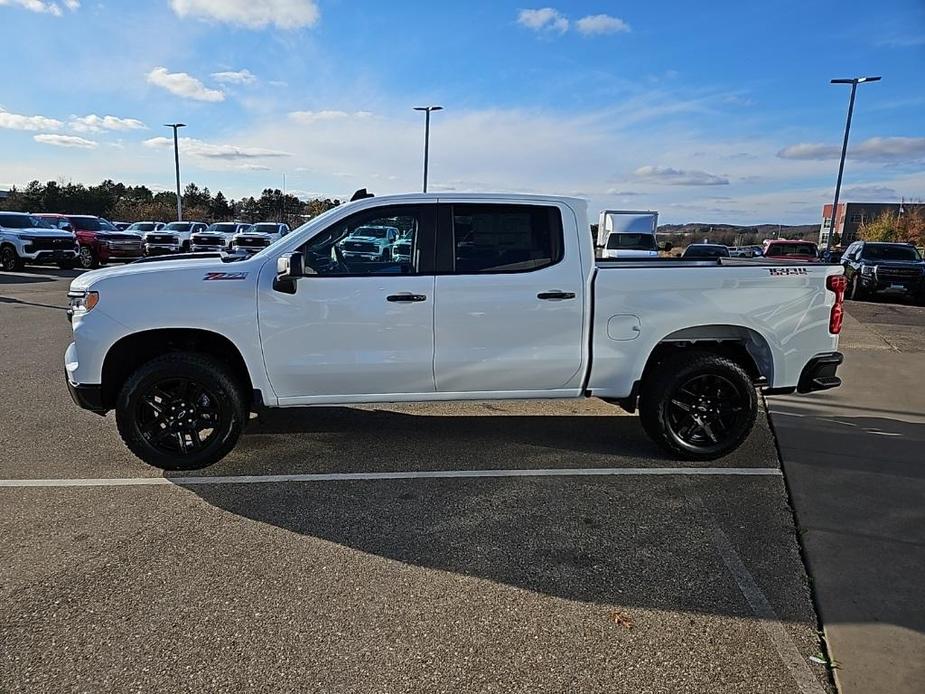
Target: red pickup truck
[
  {"x": 100, "y": 242},
  {"x": 791, "y": 250}
]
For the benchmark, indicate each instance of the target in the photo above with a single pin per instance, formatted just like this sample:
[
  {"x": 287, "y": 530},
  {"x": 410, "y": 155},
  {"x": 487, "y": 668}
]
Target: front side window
[
  {"x": 349, "y": 247},
  {"x": 505, "y": 238}
]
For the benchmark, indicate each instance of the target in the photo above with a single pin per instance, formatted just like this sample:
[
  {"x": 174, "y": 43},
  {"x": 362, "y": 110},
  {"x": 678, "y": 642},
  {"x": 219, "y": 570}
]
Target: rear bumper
[{"x": 819, "y": 373}]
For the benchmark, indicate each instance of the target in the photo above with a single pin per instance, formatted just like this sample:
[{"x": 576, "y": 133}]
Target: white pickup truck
[{"x": 500, "y": 298}]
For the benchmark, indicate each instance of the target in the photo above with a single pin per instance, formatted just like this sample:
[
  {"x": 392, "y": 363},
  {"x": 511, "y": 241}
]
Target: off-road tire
[
  {"x": 661, "y": 385},
  {"x": 202, "y": 369}
]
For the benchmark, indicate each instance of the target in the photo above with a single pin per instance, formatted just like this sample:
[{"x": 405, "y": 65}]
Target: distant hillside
[
  {"x": 681, "y": 235},
  {"x": 766, "y": 229}
]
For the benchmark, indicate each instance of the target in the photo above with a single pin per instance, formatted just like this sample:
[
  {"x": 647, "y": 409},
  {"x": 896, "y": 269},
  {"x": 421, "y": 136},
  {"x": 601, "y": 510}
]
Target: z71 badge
[
  {"x": 224, "y": 276},
  {"x": 781, "y": 271}
]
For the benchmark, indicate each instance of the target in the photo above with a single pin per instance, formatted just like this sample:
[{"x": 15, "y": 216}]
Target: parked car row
[{"x": 87, "y": 241}]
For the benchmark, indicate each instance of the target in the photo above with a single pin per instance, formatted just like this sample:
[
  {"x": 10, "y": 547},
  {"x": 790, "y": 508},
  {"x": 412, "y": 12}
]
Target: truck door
[
  {"x": 509, "y": 299},
  {"x": 357, "y": 326}
]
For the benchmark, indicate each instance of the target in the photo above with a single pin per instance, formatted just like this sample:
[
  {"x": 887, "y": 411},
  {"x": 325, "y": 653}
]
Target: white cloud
[
  {"x": 16, "y": 121},
  {"x": 235, "y": 77},
  {"x": 543, "y": 19},
  {"x": 310, "y": 117},
  {"x": 94, "y": 123},
  {"x": 253, "y": 167},
  {"x": 875, "y": 149},
  {"x": 65, "y": 141},
  {"x": 254, "y": 14},
  {"x": 601, "y": 24},
  {"x": 208, "y": 150},
  {"x": 182, "y": 84},
  {"x": 43, "y": 6},
  {"x": 680, "y": 177}
]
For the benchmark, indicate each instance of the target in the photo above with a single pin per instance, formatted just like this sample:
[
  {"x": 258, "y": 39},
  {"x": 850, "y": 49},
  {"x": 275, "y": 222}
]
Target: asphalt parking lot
[{"x": 629, "y": 581}]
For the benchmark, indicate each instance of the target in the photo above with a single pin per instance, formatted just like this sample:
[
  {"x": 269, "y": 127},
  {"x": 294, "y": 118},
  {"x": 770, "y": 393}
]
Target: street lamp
[
  {"x": 854, "y": 82},
  {"x": 427, "y": 110},
  {"x": 176, "y": 160}
]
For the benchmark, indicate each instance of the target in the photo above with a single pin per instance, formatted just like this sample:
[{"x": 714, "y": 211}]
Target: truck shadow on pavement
[{"x": 646, "y": 542}]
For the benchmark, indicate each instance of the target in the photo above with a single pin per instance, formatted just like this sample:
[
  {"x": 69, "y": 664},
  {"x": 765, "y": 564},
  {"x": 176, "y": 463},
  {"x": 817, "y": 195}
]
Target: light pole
[
  {"x": 427, "y": 110},
  {"x": 854, "y": 82},
  {"x": 176, "y": 161}
]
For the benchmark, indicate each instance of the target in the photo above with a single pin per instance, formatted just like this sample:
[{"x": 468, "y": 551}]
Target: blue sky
[{"x": 712, "y": 111}]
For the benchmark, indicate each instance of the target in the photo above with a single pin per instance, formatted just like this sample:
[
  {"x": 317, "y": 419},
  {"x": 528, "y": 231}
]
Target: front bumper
[
  {"x": 872, "y": 283},
  {"x": 246, "y": 250},
  {"x": 819, "y": 373},
  {"x": 199, "y": 248},
  {"x": 40, "y": 257},
  {"x": 161, "y": 248},
  {"x": 87, "y": 397}
]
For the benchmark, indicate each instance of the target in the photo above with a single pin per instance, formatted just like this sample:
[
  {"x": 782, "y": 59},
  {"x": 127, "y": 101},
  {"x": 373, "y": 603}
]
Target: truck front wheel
[
  {"x": 698, "y": 405},
  {"x": 181, "y": 411},
  {"x": 10, "y": 260}
]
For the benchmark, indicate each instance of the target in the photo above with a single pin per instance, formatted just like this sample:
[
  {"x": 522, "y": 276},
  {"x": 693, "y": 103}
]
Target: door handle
[
  {"x": 555, "y": 296},
  {"x": 406, "y": 297}
]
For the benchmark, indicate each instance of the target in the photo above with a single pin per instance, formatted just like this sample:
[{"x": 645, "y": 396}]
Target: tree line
[
  {"x": 117, "y": 201},
  {"x": 907, "y": 226}
]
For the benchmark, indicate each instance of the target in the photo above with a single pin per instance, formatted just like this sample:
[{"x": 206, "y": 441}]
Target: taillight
[{"x": 837, "y": 284}]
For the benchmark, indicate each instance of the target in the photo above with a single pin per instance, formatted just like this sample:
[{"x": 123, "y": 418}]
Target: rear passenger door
[{"x": 509, "y": 299}]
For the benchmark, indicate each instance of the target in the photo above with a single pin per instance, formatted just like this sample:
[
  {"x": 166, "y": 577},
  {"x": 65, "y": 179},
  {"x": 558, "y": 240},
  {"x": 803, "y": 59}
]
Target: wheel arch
[
  {"x": 744, "y": 345},
  {"x": 130, "y": 352}
]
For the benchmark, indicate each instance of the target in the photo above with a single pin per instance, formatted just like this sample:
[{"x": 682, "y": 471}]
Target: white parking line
[{"x": 411, "y": 475}]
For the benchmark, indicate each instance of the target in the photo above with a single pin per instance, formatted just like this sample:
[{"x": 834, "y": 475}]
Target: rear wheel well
[
  {"x": 748, "y": 350},
  {"x": 132, "y": 351}
]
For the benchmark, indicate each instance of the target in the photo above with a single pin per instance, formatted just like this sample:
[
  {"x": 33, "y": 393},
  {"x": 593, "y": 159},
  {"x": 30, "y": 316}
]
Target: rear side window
[{"x": 505, "y": 238}]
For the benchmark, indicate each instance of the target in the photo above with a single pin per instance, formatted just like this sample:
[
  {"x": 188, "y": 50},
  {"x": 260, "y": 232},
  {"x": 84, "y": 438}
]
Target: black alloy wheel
[
  {"x": 704, "y": 410},
  {"x": 177, "y": 416}
]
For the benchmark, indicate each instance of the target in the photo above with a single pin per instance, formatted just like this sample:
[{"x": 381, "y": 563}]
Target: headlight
[
  {"x": 82, "y": 301},
  {"x": 868, "y": 269}
]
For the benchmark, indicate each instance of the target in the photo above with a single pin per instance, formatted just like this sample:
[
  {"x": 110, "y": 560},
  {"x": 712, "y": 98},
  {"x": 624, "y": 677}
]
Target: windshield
[
  {"x": 262, "y": 228},
  {"x": 632, "y": 242},
  {"x": 91, "y": 224},
  {"x": 224, "y": 228},
  {"x": 782, "y": 250},
  {"x": 141, "y": 226},
  {"x": 705, "y": 251},
  {"x": 179, "y": 226},
  {"x": 877, "y": 251},
  {"x": 23, "y": 221}
]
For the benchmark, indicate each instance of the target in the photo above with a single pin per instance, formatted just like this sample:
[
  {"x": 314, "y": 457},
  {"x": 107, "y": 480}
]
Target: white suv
[
  {"x": 173, "y": 238},
  {"x": 27, "y": 239}
]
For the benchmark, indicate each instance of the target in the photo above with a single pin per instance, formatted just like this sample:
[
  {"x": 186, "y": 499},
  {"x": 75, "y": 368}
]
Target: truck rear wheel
[
  {"x": 698, "y": 405},
  {"x": 181, "y": 411}
]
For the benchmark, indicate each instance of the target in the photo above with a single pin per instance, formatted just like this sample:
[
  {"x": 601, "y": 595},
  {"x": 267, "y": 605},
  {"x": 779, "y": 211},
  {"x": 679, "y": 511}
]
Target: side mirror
[{"x": 289, "y": 267}]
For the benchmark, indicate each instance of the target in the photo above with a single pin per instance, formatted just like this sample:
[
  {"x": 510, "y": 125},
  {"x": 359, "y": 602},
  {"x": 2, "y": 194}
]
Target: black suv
[{"x": 873, "y": 266}]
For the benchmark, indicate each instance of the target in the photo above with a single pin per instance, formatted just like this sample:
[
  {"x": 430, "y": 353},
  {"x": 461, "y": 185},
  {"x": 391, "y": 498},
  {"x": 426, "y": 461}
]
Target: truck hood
[
  {"x": 40, "y": 233},
  {"x": 253, "y": 234},
  {"x": 162, "y": 267}
]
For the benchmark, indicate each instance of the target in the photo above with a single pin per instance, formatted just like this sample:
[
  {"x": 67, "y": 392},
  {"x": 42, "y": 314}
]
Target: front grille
[
  {"x": 360, "y": 247},
  {"x": 209, "y": 240},
  {"x": 160, "y": 238},
  {"x": 898, "y": 273},
  {"x": 252, "y": 242},
  {"x": 53, "y": 244}
]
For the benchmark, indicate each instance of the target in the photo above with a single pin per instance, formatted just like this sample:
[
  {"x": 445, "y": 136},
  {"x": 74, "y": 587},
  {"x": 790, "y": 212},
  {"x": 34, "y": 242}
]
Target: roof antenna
[{"x": 361, "y": 194}]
